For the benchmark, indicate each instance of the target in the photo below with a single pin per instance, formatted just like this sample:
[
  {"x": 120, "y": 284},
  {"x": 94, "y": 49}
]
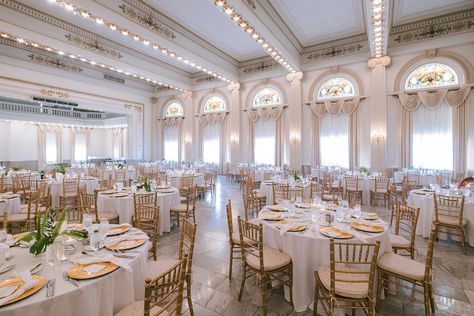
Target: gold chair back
[
  {"x": 252, "y": 205},
  {"x": 449, "y": 206},
  {"x": 281, "y": 191}
]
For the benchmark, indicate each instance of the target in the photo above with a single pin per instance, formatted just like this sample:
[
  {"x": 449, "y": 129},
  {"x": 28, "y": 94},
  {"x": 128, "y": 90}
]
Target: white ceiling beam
[{"x": 377, "y": 14}]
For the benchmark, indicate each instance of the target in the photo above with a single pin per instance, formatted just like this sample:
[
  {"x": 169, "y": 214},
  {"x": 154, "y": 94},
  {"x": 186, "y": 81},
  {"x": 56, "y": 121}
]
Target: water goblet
[{"x": 357, "y": 211}]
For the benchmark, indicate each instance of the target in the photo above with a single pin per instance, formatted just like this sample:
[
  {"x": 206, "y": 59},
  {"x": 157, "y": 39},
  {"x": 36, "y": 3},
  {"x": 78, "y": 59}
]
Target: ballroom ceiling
[{"x": 179, "y": 44}]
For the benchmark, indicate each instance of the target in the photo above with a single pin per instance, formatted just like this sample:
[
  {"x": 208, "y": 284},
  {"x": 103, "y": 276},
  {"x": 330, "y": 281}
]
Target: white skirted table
[
  {"x": 310, "y": 250},
  {"x": 424, "y": 200},
  {"x": 10, "y": 203},
  {"x": 90, "y": 183},
  {"x": 266, "y": 188},
  {"x": 103, "y": 295},
  {"x": 174, "y": 180},
  {"x": 122, "y": 204}
]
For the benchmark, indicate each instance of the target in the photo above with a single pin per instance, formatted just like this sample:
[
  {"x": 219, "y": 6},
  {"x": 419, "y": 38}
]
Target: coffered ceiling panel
[
  {"x": 205, "y": 20},
  {"x": 406, "y": 11},
  {"x": 316, "y": 21}
]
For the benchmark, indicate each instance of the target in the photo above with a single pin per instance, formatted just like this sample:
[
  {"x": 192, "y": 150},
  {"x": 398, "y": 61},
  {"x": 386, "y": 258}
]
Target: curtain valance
[
  {"x": 173, "y": 121},
  {"x": 334, "y": 108},
  {"x": 265, "y": 113},
  {"x": 432, "y": 99},
  {"x": 81, "y": 130},
  {"x": 46, "y": 128},
  {"x": 212, "y": 118}
]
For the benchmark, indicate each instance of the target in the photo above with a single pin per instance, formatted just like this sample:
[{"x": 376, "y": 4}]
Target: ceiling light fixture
[{"x": 377, "y": 27}]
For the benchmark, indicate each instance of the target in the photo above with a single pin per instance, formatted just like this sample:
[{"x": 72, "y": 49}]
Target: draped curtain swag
[
  {"x": 173, "y": 121},
  {"x": 457, "y": 100},
  {"x": 265, "y": 113},
  {"x": 334, "y": 108},
  {"x": 212, "y": 118}
]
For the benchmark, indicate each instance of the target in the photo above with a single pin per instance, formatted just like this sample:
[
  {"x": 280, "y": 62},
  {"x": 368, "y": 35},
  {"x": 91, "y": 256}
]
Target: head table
[
  {"x": 309, "y": 249},
  {"x": 103, "y": 295},
  {"x": 122, "y": 204}
]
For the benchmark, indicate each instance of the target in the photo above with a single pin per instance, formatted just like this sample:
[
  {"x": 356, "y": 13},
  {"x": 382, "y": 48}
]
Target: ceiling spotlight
[
  {"x": 125, "y": 33},
  {"x": 99, "y": 21},
  {"x": 85, "y": 14},
  {"x": 136, "y": 37},
  {"x": 219, "y": 3},
  {"x": 255, "y": 35},
  {"x": 260, "y": 40},
  {"x": 4, "y": 35},
  {"x": 155, "y": 46},
  {"x": 228, "y": 10},
  {"x": 34, "y": 45},
  {"x": 243, "y": 24},
  {"x": 265, "y": 45},
  {"x": 146, "y": 42},
  {"x": 72, "y": 56},
  {"x": 112, "y": 27},
  {"x": 68, "y": 6},
  {"x": 20, "y": 40},
  {"x": 60, "y": 53},
  {"x": 249, "y": 29},
  {"x": 172, "y": 54},
  {"x": 236, "y": 17},
  {"x": 92, "y": 62}
]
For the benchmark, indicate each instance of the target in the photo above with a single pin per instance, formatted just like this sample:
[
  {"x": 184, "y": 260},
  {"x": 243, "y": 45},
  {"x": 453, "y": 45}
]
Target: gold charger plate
[
  {"x": 117, "y": 230},
  {"x": 165, "y": 190},
  {"x": 77, "y": 271},
  {"x": 333, "y": 232},
  {"x": 270, "y": 216},
  {"x": 370, "y": 216},
  {"x": 367, "y": 228},
  {"x": 303, "y": 205},
  {"x": 117, "y": 246},
  {"x": 18, "y": 281},
  {"x": 276, "y": 208},
  {"x": 293, "y": 228}
]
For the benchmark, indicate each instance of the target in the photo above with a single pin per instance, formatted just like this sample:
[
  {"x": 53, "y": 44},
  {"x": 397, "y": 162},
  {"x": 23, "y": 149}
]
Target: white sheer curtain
[
  {"x": 211, "y": 143},
  {"x": 171, "y": 143},
  {"x": 80, "y": 147},
  {"x": 334, "y": 140},
  {"x": 51, "y": 148},
  {"x": 265, "y": 141},
  {"x": 432, "y": 137}
]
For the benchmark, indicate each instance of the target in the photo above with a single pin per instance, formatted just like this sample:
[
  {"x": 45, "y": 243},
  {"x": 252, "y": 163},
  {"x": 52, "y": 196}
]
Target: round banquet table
[
  {"x": 104, "y": 295},
  {"x": 366, "y": 184},
  {"x": 89, "y": 183},
  {"x": 174, "y": 180},
  {"x": 310, "y": 250},
  {"x": 10, "y": 203},
  {"x": 424, "y": 200},
  {"x": 130, "y": 174},
  {"x": 122, "y": 204},
  {"x": 267, "y": 189}
]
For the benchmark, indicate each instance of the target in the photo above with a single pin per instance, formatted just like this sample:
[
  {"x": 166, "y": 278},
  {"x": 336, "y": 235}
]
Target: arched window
[
  {"x": 214, "y": 104},
  {"x": 266, "y": 96},
  {"x": 336, "y": 88},
  {"x": 174, "y": 109},
  {"x": 431, "y": 75}
]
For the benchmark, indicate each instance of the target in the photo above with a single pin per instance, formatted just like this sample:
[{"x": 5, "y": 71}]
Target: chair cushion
[
  {"x": 159, "y": 267},
  {"x": 450, "y": 220},
  {"x": 401, "y": 265},
  {"x": 272, "y": 259},
  {"x": 180, "y": 208},
  {"x": 399, "y": 241},
  {"x": 137, "y": 309},
  {"x": 346, "y": 289}
]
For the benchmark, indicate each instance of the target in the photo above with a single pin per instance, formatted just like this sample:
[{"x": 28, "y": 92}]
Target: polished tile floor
[{"x": 213, "y": 294}]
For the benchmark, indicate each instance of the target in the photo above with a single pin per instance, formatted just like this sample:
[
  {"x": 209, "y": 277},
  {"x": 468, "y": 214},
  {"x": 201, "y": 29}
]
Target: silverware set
[
  {"x": 50, "y": 287},
  {"x": 68, "y": 279}
]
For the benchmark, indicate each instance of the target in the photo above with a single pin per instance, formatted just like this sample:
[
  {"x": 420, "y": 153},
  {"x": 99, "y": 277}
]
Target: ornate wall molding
[
  {"x": 381, "y": 61},
  {"x": 54, "y": 63},
  {"x": 458, "y": 22},
  {"x": 92, "y": 45},
  {"x": 133, "y": 107},
  {"x": 204, "y": 78},
  {"x": 261, "y": 66},
  {"x": 55, "y": 93},
  {"x": 338, "y": 48}
]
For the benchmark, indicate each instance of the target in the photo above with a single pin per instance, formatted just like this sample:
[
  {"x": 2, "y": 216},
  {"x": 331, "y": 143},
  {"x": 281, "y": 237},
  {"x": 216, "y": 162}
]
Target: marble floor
[{"x": 213, "y": 294}]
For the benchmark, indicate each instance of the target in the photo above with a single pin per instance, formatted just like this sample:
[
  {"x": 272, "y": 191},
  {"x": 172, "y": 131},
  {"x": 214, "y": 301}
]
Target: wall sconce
[
  {"x": 234, "y": 140},
  {"x": 294, "y": 139},
  {"x": 378, "y": 136},
  {"x": 187, "y": 140}
]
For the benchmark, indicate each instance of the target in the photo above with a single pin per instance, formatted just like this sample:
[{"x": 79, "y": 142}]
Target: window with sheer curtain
[
  {"x": 334, "y": 140},
  {"x": 265, "y": 141},
  {"x": 171, "y": 143},
  {"x": 211, "y": 143},
  {"x": 51, "y": 148},
  {"x": 432, "y": 137},
  {"x": 80, "y": 148}
]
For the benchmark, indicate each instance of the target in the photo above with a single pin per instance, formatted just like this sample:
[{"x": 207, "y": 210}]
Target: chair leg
[
  {"x": 263, "y": 288},
  {"x": 242, "y": 283},
  {"x": 432, "y": 301},
  {"x": 316, "y": 298},
  {"x": 188, "y": 296},
  {"x": 463, "y": 241},
  {"x": 426, "y": 295},
  {"x": 291, "y": 285},
  {"x": 379, "y": 290},
  {"x": 230, "y": 260}
]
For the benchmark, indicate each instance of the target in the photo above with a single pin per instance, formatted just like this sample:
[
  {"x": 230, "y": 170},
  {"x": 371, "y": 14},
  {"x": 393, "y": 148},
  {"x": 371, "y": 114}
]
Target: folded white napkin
[
  {"x": 93, "y": 268},
  {"x": 107, "y": 258},
  {"x": 28, "y": 283},
  {"x": 115, "y": 240}
]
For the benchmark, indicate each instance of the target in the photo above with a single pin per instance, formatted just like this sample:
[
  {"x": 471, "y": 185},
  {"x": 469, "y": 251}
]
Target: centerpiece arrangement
[
  {"x": 61, "y": 168},
  {"x": 145, "y": 185},
  {"x": 296, "y": 175},
  {"x": 364, "y": 170}
]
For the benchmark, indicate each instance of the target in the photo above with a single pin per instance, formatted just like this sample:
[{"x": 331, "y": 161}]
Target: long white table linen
[
  {"x": 9, "y": 204},
  {"x": 89, "y": 183},
  {"x": 174, "y": 180}
]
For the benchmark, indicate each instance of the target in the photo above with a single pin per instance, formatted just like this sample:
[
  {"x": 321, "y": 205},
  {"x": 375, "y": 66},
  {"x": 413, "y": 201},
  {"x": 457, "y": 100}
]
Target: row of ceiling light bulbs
[
  {"x": 114, "y": 27},
  {"x": 82, "y": 59},
  {"x": 245, "y": 26},
  {"x": 378, "y": 27}
]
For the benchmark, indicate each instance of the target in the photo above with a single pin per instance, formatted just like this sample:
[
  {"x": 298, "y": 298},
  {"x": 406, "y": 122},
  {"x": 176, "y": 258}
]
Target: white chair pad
[
  {"x": 346, "y": 289},
  {"x": 272, "y": 259},
  {"x": 401, "y": 265}
]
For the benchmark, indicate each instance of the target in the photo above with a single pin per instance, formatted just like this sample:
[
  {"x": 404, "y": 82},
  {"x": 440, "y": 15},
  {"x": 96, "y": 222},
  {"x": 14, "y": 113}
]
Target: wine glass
[
  {"x": 345, "y": 207},
  {"x": 357, "y": 211},
  {"x": 103, "y": 229},
  {"x": 86, "y": 221}
]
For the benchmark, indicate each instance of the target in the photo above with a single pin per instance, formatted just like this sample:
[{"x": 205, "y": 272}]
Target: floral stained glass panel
[
  {"x": 431, "y": 75},
  {"x": 267, "y": 96},
  {"x": 174, "y": 109},
  {"x": 336, "y": 87},
  {"x": 214, "y": 104}
]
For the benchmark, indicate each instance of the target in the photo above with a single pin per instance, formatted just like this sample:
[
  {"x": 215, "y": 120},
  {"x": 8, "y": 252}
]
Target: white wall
[{"x": 18, "y": 141}]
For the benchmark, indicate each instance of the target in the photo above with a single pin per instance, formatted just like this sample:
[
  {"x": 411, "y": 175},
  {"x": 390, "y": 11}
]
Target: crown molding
[
  {"x": 444, "y": 25},
  {"x": 54, "y": 63},
  {"x": 338, "y": 48},
  {"x": 93, "y": 45}
]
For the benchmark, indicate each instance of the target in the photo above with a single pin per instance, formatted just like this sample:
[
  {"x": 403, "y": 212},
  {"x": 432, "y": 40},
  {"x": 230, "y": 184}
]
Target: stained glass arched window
[
  {"x": 174, "y": 109},
  {"x": 335, "y": 88},
  {"x": 267, "y": 96},
  {"x": 431, "y": 75},
  {"x": 214, "y": 104}
]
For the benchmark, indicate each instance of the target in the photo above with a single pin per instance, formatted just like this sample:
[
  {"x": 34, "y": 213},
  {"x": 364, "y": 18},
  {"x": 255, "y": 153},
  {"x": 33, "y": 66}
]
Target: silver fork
[
  {"x": 52, "y": 286},
  {"x": 48, "y": 288},
  {"x": 67, "y": 278}
]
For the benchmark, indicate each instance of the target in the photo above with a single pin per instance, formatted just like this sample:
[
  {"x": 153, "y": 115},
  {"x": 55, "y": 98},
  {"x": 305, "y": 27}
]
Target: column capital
[
  {"x": 381, "y": 61},
  {"x": 234, "y": 87},
  {"x": 187, "y": 95},
  {"x": 294, "y": 76}
]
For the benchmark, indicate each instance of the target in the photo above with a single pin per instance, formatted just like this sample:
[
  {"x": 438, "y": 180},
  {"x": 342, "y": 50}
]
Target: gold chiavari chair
[
  {"x": 266, "y": 264},
  {"x": 120, "y": 176},
  {"x": 449, "y": 214},
  {"x": 4, "y": 186},
  {"x": 348, "y": 281},
  {"x": 252, "y": 205},
  {"x": 187, "y": 237},
  {"x": 161, "y": 177},
  {"x": 26, "y": 217},
  {"x": 185, "y": 209},
  {"x": 394, "y": 271},
  {"x": 281, "y": 191},
  {"x": 250, "y": 186},
  {"x": 328, "y": 195},
  {"x": 380, "y": 188},
  {"x": 4, "y": 217},
  {"x": 146, "y": 216},
  {"x": 396, "y": 195},
  {"x": 315, "y": 190},
  {"x": 207, "y": 186},
  {"x": 89, "y": 206},
  {"x": 412, "y": 179},
  {"x": 351, "y": 198},
  {"x": 295, "y": 192},
  {"x": 352, "y": 185},
  {"x": 70, "y": 195},
  {"x": 185, "y": 183},
  {"x": 163, "y": 294},
  {"x": 406, "y": 220}
]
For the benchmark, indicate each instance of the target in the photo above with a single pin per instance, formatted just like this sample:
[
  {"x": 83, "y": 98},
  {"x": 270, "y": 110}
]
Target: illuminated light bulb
[
  {"x": 68, "y": 6},
  {"x": 112, "y": 27},
  {"x": 155, "y": 46},
  {"x": 198, "y": 67},
  {"x": 255, "y": 35},
  {"x": 192, "y": 64},
  {"x": 85, "y": 14},
  {"x": 146, "y": 42},
  {"x": 172, "y": 54},
  {"x": 99, "y": 21},
  {"x": 60, "y": 53},
  {"x": 92, "y": 62},
  {"x": 236, "y": 17},
  {"x": 260, "y": 40},
  {"x": 125, "y": 33},
  {"x": 20, "y": 40},
  {"x": 228, "y": 10},
  {"x": 135, "y": 76},
  {"x": 243, "y": 24},
  {"x": 72, "y": 56},
  {"x": 34, "y": 45},
  {"x": 164, "y": 51},
  {"x": 83, "y": 59},
  {"x": 186, "y": 61},
  {"x": 249, "y": 30},
  {"x": 136, "y": 37},
  {"x": 265, "y": 45},
  {"x": 219, "y": 3},
  {"x": 180, "y": 58},
  {"x": 204, "y": 69},
  {"x": 5, "y": 35}
]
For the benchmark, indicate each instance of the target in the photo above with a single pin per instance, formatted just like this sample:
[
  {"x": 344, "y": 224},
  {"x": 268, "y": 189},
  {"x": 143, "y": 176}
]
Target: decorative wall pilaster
[
  {"x": 295, "y": 121},
  {"x": 234, "y": 123},
  {"x": 189, "y": 141}
]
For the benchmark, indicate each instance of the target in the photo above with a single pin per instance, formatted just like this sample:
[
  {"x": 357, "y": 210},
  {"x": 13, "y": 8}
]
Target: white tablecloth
[
  {"x": 308, "y": 251},
  {"x": 425, "y": 179},
  {"x": 366, "y": 184},
  {"x": 174, "y": 180},
  {"x": 106, "y": 174},
  {"x": 425, "y": 202},
  {"x": 267, "y": 189},
  {"x": 10, "y": 205},
  {"x": 123, "y": 206},
  {"x": 105, "y": 295},
  {"x": 57, "y": 188}
]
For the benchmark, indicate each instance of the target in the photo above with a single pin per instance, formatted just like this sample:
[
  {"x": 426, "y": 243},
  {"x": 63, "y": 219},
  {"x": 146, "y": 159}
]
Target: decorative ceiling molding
[
  {"x": 377, "y": 14},
  {"x": 149, "y": 10},
  {"x": 339, "y": 42},
  {"x": 68, "y": 27},
  {"x": 335, "y": 51},
  {"x": 458, "y": 22},
  {"x": 55, "y": 93},
  {"x": 138, "y": 108},
  {"x": 261, "y": 67},
  {"x": 54, "y": 63},
  {"x": 204, "y": 78},
  {"x": 92, "y": 45}
]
